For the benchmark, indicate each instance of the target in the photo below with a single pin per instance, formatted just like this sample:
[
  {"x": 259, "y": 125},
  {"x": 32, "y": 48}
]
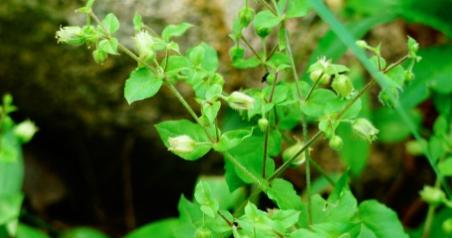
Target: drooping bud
[
  {"x": 362, "y": 44},
  {"x": 365, "y": 129},
  {"x": 447, "y": 226},
  {"x": 144, "y": 44},
  {"x": 342, "y": 85},
  {"x": 263, "y": 124},
  {"x": 181, "y": 144},
  {"x": 203, "y": 232},
  {"x": 336, "y": 142},
  {"x": 319, "y": 71},
  {"x": 25, "y": 131},
  {"x": 292, "y": 151},
  {"x": 246, "y": 16},
  {"x": 433, "y": 196},
  {"x": 240, "y": 101},
  {"x": 71, "y": 35}
]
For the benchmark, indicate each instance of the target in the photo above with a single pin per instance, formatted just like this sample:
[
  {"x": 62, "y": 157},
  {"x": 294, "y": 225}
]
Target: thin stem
[
  {"x": 248, "y": 44},
  {"x": 261, "y": 183},
  {"x": 269, "y": 7},
  {"x": 267, "y": 131},
  {"x": 292, "y": 62},
  {"x": 286, "y": 165},
  {"x": 171, "y": 86},
  {"x": 316, "y": 83},
  {"x": 323, "y": 172}
]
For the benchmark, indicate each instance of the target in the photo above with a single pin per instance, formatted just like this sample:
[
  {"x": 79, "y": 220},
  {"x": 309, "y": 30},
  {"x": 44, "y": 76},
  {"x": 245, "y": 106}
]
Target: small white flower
[
  {"x": 25, "y": 130},
  {"x": 71, "y": 35},
  {"x": 240, "y": 101},
  {"x": 144, "y": 43},
  {"x": 181, "y": 144}
]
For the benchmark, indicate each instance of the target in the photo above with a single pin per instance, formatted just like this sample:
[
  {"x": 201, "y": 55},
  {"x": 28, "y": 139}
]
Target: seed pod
[
  {"x": 365, "y": 129},
  {"x": 263, "y": 124},
  {"x": 144, "y": 44},
  {"x": 336, "y": 142},
  {"x": 203, "y": 232},
  {"x": 342, "y": 85},
  {"x": 71, "y": 35},
  {"x": 290, "y": 152},
  {"x": 240, "y": 101},
  {"x": 246, "y": 16},
  {"x": 25, "y": 130},
  {"x": 433, "y": 196}
]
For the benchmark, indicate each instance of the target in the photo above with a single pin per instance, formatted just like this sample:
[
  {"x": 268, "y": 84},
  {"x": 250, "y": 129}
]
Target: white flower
[
  {"x": 71, "y": 35},
  {"x": 240, "y": 101},
  {"x": 181, "y": 144},
  {"x": 25, "y": 130},
  {"x": 144, "y": 43}
]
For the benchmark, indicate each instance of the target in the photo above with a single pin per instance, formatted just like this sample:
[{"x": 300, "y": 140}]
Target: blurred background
[{"x": 97, "y": 161}]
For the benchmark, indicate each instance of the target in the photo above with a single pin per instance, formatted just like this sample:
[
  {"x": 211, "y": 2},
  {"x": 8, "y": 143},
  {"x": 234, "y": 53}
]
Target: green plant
[{"x": 327, "y": 98}]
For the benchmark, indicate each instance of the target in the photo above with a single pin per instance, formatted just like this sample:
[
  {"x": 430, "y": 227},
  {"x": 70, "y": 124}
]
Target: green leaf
[
  {"x": 137, "y": 22},
  {"x": 220, "y": 192},
  {"x": 284, "y": 194},
  {"x": 392, "y": 128},
  {"x": 251, "y": 159},
  {"x": 233, "y": 138},
  {"x": 295, "y": 8},
  {"x": 381, "y": 220},
  {"x": 319, "y": 103},
  {"x": 169, "y": 129},
  {"x": 24, "y": 231},
  {"x": 83, "y": 232},
  {"x": 160, "y": 229},
  {"x": 433, "y": 71},
  {"x": 445, "y": 167},
  {"x": 331, "y": 47},
  {"x": 210, "y": 110},
  {"x": 205, "y": 56},
  {"x": 10, "y": 205},
  {"x": 341, "y": 209},
  {"x": 171, "y": 31},
  {"x": 141, "y": 84},
  {"x": 111, "y": 23},
  {"x": 355, "y": 150},
  {"x": 177, "y": 64},
  {"x": 109, "y": 46},
  {"x": 203, "y": 195},
  {"x": 264, "y": 22}
]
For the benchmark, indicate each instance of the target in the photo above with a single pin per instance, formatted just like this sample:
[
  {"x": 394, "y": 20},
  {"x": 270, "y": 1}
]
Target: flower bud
[
  {"x": 319, "y": 71},
  {"x": 240, "y": 101},
  {"x": 71, "y": 35},
  {"x": 433, "y": 196},
  {"x": 365, "y": 129},
  {"x": 409, "y": 75},
  {"x": 362, "y": 44},
  {"x": 25, "y": 130},
  {"x": 263, "y": 124},
  {"x": 99, "y": 56},
  {"x": 144, "y": 43},
  {"x": 290, "y": 152},
  {"x": 203, "y": 232},
  {"x": 447, "y": 226},
  {"x": 181, "y": 144},
  {"x": 246, "y": 16},
  {"x": 336, "y": 142},
  {"x": 342, "y": 85}
]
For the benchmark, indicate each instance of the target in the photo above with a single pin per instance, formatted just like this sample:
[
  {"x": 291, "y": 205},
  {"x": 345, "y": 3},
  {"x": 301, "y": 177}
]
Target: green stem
[
  {"x": 267, "y": 131},
  {"x": 269, "y": 7},
  {"x": 172, "y": 88},
  {"x": 261, "y": 183},
  {"x": 316, "y": 83}
]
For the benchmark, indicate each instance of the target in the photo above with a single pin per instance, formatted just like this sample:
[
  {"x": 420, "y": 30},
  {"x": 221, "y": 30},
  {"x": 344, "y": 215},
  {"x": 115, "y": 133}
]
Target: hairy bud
[
  {"x": 71, "y": 35},
  {"x": 240, "y": 101},
  {"x": 181, "y": 144}
]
